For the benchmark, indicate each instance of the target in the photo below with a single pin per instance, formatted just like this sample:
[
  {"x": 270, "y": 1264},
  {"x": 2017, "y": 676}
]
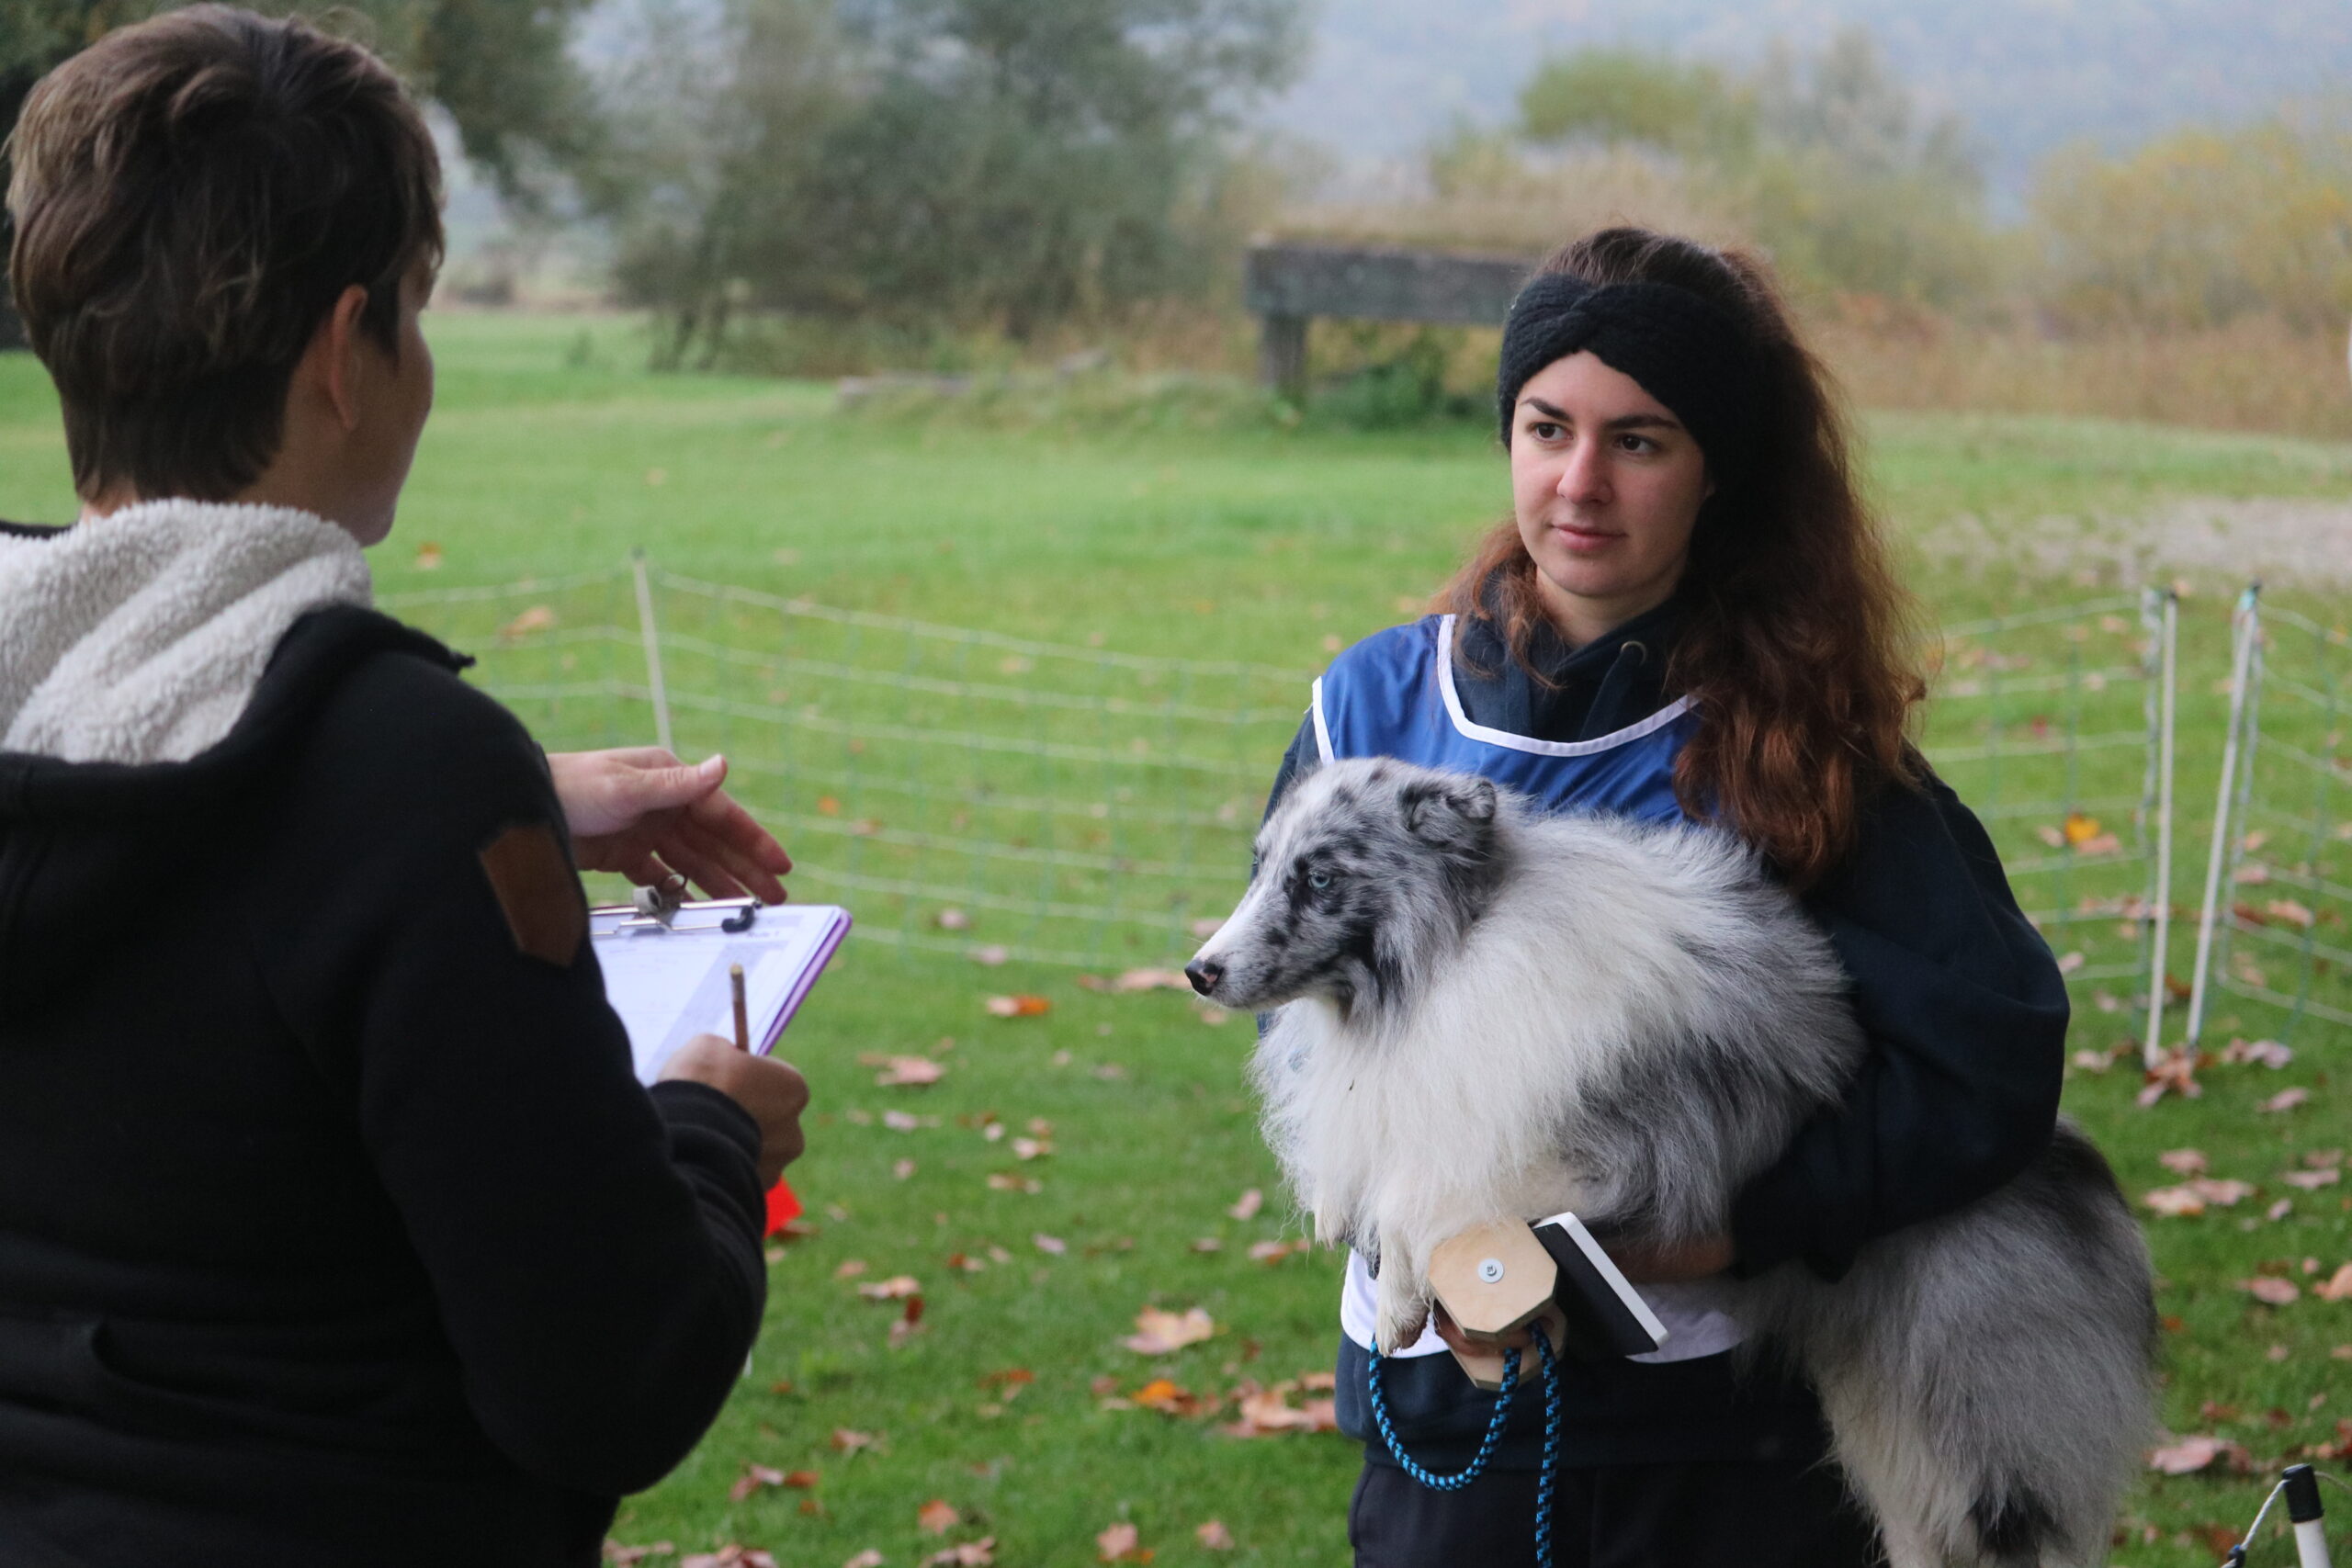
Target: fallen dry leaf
[
  {"x": 980, "y": 1553},
  {"x": 900, "y": 1120},
  {"x": 2270, "y": 1292},
  {"x": 849, "y": 1442},
  {"x": 1031, "y": 1148},
  {"x": 2268, "y": 1053},
  {"x": 1053, "y": 1245},
  {"x": 754, "y": 1476},
  {"x": 1208, "y": 1244},
  {"x": 1214, "y": 1537},
  {"x": 870, "y": 1557},
  {"x": 1006, "y": 1182},
  {"x": 2287, "y": 909},
  {"x": 991, "y": 956},
  {"x": 2187, "y": 1162},
  {"x": 2311, "y": 1180},
  {"x": 2285, "y": 1100},
  {"x": 1118, "y": 1544},
  {"x": 897, "y": 1287},
  {"x": 937, "y": 1517},
  {"x": 428, "y": 556},
  {"x": 2191, "y": 1197},
  {"x": 902, "y": 1169},
  {"x": 538, "y": 618},
  {"x": 1157, "y": 1332},
  {"x": 904, "y": 1072},
  {"x": 1275, "y": 1251},
  {"x": 629, "y": 1556},
  {"x": 2080, "y": 829},
  {"x": 730, "y": 1556},
  {"x": 952, "y": 920},
  {"x": 1019, "y": 1007},
  {"x": 850, "y": 1269},
  {"x": 2190, "y": 1455},
  {"x": 1245, "y": 1207},
  {"x": 2336, "y": 1287}
]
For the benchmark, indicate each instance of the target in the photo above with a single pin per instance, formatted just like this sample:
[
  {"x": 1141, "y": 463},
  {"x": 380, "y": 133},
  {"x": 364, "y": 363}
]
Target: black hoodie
[{"x": 334, "y": 1227}]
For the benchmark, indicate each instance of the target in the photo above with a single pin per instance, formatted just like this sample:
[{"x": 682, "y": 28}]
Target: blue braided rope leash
[{"x": 1477, "y": 1465}]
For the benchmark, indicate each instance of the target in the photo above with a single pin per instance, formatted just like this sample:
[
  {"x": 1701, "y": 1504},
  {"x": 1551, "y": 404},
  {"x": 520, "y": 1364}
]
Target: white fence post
[
  {"x": 2166, "y": 606},
  {"x": 651, "y": 637},
  {"x": 2249, "y": 634}
]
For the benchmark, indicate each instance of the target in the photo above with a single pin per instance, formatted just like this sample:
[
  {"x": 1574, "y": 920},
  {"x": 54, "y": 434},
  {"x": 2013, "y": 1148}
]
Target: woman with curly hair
[{"x": 1690, "y": 614}]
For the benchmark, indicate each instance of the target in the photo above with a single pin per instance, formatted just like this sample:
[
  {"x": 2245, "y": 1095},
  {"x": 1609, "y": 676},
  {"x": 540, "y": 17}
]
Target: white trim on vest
[
  {"x": 1505, "y": 738},
  {"x": 1322, "y": 730}
]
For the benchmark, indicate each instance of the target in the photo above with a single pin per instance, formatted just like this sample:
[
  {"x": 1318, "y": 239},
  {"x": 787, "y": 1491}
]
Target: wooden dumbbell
[{"x": 1492, "y": 1281}]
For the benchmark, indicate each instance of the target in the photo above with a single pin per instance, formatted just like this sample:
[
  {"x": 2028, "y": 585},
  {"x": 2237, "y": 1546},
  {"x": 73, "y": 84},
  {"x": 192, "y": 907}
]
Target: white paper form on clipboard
[{"x": 667, "y": 979}]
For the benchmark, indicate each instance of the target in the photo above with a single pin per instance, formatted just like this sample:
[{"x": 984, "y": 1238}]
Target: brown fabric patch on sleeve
[{"x": 538, "y": 893}]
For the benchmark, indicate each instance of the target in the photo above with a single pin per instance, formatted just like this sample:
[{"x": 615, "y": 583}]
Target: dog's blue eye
[{"x": 1319, "y": 880}]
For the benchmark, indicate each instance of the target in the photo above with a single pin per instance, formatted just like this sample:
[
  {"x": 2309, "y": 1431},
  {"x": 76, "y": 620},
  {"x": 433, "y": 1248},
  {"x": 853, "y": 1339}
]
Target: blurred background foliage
[{"x": 843, "y": 187}]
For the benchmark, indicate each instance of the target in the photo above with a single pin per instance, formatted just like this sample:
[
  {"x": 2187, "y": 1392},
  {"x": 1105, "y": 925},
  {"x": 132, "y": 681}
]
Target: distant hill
[{"x": 2027, "y": 75}]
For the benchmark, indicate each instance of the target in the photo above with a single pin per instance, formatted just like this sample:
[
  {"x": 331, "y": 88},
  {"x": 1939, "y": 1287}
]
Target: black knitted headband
[{"x": 1687, "y": 352}]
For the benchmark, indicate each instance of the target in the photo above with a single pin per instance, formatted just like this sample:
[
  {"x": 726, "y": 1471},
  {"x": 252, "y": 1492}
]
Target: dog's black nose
[{"x": 1204, "y": 975}]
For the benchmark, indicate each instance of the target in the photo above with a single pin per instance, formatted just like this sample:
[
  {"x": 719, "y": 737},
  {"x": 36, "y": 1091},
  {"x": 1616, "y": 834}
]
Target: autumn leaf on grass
[
  {"x": 2190, "y": 1198},
  {"x": 428, "y": 556},
  {"x": 1019, "y": 1007},
  {"x": 1271, "y": 1252},
  {"x": 910, "y": 1323},
  {"x": 2269, "y": 1053},
  {"x": 1214, "y": 1537},
  {"x": 630, "y": 1556},
  {"x": 2187, "y": 1162},
  {"x": 2270, "y": 1292},
  {"x": 2336, "y": 1287},
  {"x": 937, "y": 1517},
  {"x": 1157, "y": 1332},
  {"x": 896, "y": 1287},
  {"x": 2174, "y": 1073},
  {"x": 2285, "y": 1100},
  {"x": 1152, "y": 980},
  {"x": 1167, "y": 1397},
  {"x": 1053, "y": 1245},
  {"x": 538, "y": 618},
  {"x": 870, "y": 1557},
  {"x": 754, "y": 1476},
  {"x": 850, "y": 1269},
  {"x": 1269, "y": 1410},
  {"x": 1118, "y": 1544},
  {"x": 1245, "y": 1207},
  {"x": 849, "y": 1442},
  {"x": 2079, "y": 829},
  {"x": 730, "y": 1556},
  {"x": 2310, "y": 1180},
  {"x": 2190, "y": 1455},
  {"x": 980, "y": 1553},
  {"x": 908, "y": 1071}
]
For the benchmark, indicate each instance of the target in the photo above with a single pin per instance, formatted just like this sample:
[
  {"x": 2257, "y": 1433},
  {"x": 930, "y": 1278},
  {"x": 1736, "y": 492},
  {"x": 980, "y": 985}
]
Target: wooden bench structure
[{"x": 1290, "y": 285}]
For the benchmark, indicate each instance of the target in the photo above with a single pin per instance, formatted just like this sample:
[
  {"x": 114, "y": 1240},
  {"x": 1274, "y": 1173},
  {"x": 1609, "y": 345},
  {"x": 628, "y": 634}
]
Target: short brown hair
[
  {"x": 192, "y": 194},
  {"x": 1795, "y": 644}
]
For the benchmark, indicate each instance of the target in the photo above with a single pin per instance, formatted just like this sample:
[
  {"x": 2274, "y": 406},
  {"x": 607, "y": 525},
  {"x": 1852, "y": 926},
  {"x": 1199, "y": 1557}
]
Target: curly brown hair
[{"x": 1795, "y": 644}]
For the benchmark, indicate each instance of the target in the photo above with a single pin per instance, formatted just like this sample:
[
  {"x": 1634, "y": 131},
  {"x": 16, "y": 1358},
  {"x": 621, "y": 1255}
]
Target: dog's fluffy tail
[{"x": 1989, "y": 1376}]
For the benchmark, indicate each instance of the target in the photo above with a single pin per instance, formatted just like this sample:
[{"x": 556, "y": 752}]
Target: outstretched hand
[{"x": 643, "y": 814}]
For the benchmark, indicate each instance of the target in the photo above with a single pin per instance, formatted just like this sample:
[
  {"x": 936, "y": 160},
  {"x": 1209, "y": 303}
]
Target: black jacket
[
  {"x": 1964, "y": 1011},
  {"x": 333, "y": 1227}
]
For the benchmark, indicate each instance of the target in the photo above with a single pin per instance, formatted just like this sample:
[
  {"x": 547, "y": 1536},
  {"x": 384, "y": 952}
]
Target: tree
[
  {"x": 498, "y": 66},
  {"x": 939, "y": 163}
]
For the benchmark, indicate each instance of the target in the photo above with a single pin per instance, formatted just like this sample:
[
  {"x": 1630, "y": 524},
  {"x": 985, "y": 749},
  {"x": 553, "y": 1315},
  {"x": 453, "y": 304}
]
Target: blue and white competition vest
[{"x": 1393, "y": 695}]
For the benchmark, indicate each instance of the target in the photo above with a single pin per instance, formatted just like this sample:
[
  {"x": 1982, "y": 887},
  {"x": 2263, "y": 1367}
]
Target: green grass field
[{"x": 1119, "y": 537}]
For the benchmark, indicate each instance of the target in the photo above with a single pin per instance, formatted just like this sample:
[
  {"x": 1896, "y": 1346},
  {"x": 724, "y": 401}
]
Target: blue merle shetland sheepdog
[{"x": 1491, "y": 1013}]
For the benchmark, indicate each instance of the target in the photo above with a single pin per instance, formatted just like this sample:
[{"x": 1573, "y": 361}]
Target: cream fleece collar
[{"x": 140, "y": 637}]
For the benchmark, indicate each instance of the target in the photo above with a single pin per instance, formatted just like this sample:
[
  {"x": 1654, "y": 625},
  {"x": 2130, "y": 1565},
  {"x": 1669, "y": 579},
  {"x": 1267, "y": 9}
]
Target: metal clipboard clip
[{"x": 659, "y": 910}]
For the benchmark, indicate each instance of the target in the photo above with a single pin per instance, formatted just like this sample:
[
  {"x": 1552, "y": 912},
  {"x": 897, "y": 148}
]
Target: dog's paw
[{"x": 1400, "y": 1319}]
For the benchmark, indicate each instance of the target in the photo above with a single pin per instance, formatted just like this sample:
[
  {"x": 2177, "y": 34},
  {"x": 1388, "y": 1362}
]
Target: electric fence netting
[
  {"x": 2275, "y": 924},
  {"x": 962, "y": 791},
  {"x": 2055, "y": 727},
  {"x": 972, "y": 793}
]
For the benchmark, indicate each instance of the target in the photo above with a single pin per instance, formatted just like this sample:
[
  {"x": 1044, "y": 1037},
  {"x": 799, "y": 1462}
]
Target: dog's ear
[{"x": 1453, "y": 815}]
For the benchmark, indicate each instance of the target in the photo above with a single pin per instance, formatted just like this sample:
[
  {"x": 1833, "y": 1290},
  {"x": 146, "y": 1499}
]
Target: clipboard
[{"x": 665, "y": 968}]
